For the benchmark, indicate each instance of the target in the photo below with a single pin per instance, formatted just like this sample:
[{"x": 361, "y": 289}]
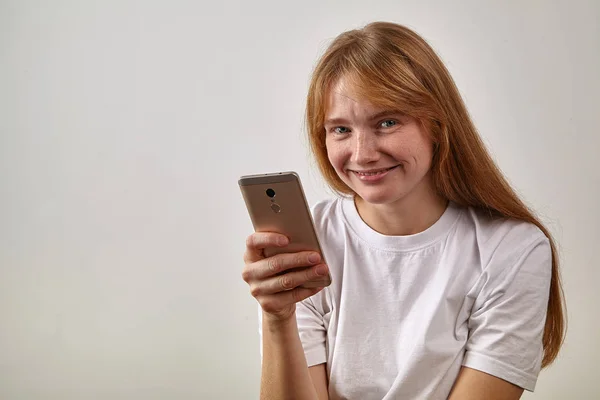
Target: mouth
[{"x": 374, "y": 172}]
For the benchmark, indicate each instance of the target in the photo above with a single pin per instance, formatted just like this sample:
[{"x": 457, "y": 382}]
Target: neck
[{"x": 410, "y": 215}]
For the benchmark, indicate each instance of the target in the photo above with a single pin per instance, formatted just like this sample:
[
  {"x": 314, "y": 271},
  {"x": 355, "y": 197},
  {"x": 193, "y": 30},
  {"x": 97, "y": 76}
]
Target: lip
[
  {"x": 368, "y": 171},
  {"x": 373, "y": 178}
]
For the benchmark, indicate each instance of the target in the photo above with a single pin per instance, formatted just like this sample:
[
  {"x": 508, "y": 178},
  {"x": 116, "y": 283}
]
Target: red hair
[{"x": 391, "y": 66}]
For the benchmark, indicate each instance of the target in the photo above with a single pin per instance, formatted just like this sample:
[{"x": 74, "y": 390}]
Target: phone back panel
[{"x": 287, "y": 212}]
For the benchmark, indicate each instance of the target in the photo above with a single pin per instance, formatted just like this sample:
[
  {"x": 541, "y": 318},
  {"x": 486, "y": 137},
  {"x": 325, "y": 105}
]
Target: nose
[{"x": 365, "y": 148}]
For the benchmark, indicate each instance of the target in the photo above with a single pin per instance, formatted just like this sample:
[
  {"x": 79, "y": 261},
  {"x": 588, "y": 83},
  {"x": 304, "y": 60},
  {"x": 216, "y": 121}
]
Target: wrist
[{"x": 275, "y": 323}]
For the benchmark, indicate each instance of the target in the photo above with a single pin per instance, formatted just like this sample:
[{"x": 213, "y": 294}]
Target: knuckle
[
  {"x": 255, "y": 290},
  {"x": 268, "y": 305},
  {"x": 246, "y": 275},
  {"x": 286, "y": 282},
  {"x": 300, "y": 260},
  {"x": 274, "y": 264},
  {"x": 251, "y": 241},
  {"x": 248, "y": 257}
]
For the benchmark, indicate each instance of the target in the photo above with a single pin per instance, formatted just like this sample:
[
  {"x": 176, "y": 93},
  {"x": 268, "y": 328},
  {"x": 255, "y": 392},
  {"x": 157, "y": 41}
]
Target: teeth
[
  {"x": 373, "y": 173},
  {"x": 369, "y": 173}
]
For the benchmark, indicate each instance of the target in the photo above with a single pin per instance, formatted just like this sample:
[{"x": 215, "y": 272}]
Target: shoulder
[
  {"x": 328, "y": 213},
  {"x": 500, "y": 225},
  {"x": 498, "y": 231},
  {"x": 325, "y": 207},
  {"x": 329, "y": 221},
  {"x": 504, "y": 242}
]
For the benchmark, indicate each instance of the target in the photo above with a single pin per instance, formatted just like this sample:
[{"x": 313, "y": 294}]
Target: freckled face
[{"x": 382, "y": 155}]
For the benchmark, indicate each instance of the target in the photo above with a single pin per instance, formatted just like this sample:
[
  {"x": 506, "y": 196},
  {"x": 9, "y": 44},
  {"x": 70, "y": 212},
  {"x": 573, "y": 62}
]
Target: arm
[
  {"x": 285, "y": 373},
  {"x": 476, "y": 385},
  {"x": 318, "y": 373}
]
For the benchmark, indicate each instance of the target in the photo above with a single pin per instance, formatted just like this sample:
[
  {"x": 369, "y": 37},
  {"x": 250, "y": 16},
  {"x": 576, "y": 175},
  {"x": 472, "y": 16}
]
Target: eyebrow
[{"x": 340, "y": 121}]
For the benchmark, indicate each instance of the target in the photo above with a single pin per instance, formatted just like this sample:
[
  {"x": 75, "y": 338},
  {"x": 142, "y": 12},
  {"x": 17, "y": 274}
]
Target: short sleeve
[
  {"x": 508, "y": 317},
  {"x": 312, "y": 330}
]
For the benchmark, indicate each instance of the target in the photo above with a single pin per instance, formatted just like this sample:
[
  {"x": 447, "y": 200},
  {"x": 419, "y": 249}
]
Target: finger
[
  {"x": 281, "y": 263},
  {"x": 287, "y": 281},
  {"x": 258, "y": 241},
  {"x": 267, "y": 267},
  {"x": 274, "y": 303}
]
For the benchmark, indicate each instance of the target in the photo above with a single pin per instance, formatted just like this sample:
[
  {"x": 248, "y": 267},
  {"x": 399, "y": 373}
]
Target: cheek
[
  {"x": 413, "y": 143},
  {"x": 336, "y": 154},
  {"x": 413, "y": 149},
  {"x": 425, "y": 152}
]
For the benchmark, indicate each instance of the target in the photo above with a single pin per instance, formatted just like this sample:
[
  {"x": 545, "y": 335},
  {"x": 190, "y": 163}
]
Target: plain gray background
[{"x": 125, "y": 125}]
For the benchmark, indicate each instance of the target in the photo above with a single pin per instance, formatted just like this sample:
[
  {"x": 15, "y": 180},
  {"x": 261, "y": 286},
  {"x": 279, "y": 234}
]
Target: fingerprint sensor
[{"x": 275, "y": 207}]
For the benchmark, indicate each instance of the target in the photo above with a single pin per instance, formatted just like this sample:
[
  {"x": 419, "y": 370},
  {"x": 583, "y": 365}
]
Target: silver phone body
[{"x": 285, "y": 212}]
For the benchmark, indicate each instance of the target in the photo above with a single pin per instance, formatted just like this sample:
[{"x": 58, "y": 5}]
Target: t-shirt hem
[
  {"x": 500, "y": 370},
  {"x": 315, "y": 357}
]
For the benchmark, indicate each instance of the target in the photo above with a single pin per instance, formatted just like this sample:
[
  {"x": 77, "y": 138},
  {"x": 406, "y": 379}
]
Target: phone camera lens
[{"x": 270, "y": 193}]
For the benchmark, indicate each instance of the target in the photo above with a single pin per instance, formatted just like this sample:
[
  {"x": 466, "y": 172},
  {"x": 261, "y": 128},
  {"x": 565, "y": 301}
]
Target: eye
[
  {"x": 340, "y": 129},
  {"x": 388, "y": 123}
]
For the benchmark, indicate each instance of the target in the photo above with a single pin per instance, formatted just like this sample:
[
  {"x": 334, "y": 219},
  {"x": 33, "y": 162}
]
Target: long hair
[{"x": 392, "y": 67}]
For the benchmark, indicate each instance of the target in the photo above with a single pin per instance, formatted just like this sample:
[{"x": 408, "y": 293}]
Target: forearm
[{"x": 284, "y": 369}]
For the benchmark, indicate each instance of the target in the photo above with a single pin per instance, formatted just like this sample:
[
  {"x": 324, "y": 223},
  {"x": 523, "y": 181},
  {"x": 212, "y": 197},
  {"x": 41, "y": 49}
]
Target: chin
[{"x": 378, "y": 197}]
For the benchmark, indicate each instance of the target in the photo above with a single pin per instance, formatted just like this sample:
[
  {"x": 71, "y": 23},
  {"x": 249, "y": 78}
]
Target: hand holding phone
[
  {"x": 279, "y": 267},
  {"x": 277, "y": 281}
]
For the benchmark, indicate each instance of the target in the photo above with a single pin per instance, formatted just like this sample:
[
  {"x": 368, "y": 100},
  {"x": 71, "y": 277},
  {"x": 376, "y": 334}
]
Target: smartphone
[{"x": 276, "y": 203}]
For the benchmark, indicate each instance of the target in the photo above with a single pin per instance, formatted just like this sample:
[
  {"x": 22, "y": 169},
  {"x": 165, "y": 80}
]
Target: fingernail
[
  {"x": 314, "y": 257},
  {"x": 282, "y": 241},
  {"x": 321, "y": 270}
]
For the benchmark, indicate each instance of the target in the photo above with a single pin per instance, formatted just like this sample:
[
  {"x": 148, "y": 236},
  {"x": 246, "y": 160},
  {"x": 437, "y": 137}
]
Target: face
[{"x": 384, "y": 156}]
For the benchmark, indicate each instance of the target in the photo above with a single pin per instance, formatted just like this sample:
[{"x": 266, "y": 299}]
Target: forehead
[{"x": 342, "y": 98}]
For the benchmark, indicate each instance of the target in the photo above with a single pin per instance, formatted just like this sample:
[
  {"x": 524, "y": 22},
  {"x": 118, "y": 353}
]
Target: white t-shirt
[{"x": 404, "y": 313}]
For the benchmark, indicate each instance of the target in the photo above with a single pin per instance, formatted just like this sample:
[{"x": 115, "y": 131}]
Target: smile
[
  {"x": 374, "y": 172},
  {"x": 373, "y": 176}
]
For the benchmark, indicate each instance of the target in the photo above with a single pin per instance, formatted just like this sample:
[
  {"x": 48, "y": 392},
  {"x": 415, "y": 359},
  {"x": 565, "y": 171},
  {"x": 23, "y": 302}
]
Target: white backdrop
[{"x": 125, "y": 125}]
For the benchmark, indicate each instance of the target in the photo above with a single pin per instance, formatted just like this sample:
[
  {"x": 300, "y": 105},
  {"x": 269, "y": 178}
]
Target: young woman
[{"x": 445, "y": 285}]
